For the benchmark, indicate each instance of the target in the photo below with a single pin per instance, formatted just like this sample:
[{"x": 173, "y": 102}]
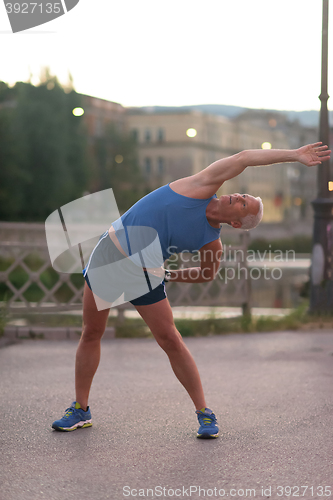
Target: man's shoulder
[
  {"x": 212, "y": 245},
  {"x": 192, "y": 187}
]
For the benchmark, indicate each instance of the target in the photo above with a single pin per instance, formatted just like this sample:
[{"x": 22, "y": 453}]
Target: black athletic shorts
[{"x": 106, "y": 252}]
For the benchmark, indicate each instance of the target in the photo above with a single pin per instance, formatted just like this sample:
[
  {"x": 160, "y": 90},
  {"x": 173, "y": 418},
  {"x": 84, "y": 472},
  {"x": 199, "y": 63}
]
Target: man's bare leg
[
  {"x": 89, "y": 348},
  {"x": 159, "y": 319}
]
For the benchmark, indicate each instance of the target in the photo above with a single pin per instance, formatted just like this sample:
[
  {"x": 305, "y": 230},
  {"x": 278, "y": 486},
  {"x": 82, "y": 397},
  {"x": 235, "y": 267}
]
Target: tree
[
  {"x": 117, "y": 166},
  {"x": 13, "y": 176},
  {"x": 47, "y": 157},
  {"x": 43, "y": 149}
]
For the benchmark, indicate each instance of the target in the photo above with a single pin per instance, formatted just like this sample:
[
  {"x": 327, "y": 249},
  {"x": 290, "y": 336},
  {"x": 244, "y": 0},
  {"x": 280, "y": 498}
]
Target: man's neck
[{"x": 213, "y": 214}]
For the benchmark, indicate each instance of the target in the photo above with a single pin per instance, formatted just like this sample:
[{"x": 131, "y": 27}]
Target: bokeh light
[
  {"x": 191, "y": 132},
  {"x": 266, "y": 145},
  {"x": 78, "y": 111}
]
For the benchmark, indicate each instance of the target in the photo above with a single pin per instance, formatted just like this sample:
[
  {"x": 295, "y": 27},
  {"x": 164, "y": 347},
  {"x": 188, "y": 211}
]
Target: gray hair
[{"x": 251, "y": 221}]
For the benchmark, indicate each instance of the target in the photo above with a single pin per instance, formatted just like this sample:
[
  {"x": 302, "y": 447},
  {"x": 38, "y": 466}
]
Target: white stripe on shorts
[{"x": 104, "y": 235}]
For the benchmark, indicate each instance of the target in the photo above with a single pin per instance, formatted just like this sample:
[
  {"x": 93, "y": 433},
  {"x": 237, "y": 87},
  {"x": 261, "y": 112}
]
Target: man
[{"x": 186, "y": 215}]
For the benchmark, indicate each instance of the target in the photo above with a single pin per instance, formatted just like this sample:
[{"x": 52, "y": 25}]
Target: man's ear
[{"x": 236, "y": 224}]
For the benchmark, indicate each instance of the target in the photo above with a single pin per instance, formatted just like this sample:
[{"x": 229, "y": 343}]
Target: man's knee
[
  {"x": 169, "y": 339},
  {"x": 92, "y": 333}
]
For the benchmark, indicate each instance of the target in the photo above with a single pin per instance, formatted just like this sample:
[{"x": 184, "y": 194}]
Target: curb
[
  {"x": 15, "y": 333},
  {"x": 5, "y": 341}
]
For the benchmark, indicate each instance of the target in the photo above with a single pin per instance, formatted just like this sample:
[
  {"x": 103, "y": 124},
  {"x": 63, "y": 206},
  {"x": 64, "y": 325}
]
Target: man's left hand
[{"x": 313, "y": 154}]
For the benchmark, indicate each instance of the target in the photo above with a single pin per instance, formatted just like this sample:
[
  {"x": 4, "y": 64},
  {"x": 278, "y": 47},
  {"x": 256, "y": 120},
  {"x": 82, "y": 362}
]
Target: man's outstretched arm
[
  {"x": 222, "y": 170},
  {"x": 205, "y": 183}
]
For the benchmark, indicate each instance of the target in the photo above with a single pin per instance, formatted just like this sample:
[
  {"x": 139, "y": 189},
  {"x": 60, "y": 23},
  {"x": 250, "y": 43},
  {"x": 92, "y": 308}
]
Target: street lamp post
[{"x": 321, "y": 291}]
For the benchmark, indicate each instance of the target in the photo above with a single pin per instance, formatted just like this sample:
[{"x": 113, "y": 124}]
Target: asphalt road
[{"x": 272, "y": 394}]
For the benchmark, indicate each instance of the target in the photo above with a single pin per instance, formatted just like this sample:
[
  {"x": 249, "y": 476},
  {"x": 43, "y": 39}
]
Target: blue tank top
[{"x": 180, "y": 222}]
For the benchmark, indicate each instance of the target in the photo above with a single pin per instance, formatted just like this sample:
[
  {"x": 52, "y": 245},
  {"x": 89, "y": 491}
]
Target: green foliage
[
  {"x": 49, "y": 277},
  {"x": 211, "y": 326},
  {"x": 185, "y": 328},
  {"x": 52, "y": 320},
  {"x": 42, "y": 150},
  {"x": 136, "y": 328},
  {"x": 246, "y": 322},
  {"x": 47, "y": 157},
  {"x": 124, "y": 178},
  {"x": 297, "y": 319},
  {"x": 4, "y": 316}
]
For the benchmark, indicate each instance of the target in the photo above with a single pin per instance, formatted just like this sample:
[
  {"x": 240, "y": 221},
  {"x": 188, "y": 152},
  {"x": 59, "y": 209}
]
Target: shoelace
[
  {"x": 69, "y": 411},
  {"x": 206, "y": 419}
]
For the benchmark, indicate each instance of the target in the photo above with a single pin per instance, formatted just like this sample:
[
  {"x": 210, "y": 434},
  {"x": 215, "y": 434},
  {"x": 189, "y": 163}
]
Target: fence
[{"x": 28, "y": 283}]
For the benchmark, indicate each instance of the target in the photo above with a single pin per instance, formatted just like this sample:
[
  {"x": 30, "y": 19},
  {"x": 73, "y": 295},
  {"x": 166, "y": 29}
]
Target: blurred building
[
  {"x": 300, "y": 182},
  {"x": 173, "y": 144},
  {"x": 98, "y": 113}
]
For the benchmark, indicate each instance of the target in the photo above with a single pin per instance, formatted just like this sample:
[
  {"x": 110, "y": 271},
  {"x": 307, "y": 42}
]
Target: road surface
[{"x": 272, "y": 394}]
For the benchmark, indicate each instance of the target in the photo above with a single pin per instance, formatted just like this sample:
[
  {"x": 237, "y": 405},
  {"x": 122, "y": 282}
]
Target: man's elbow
[
  {"x": 208, "y": 274},
  {"x": 243, "y": 158}
]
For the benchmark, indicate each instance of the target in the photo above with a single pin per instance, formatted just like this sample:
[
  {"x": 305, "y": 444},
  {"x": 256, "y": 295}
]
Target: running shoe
[
  {"x": 207, "y": 420},
  {"x": 74, "y": 417}
]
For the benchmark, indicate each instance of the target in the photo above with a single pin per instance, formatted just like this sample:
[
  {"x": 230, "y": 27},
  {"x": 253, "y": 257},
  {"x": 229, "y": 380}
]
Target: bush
[{"x": 4, "y": 317}]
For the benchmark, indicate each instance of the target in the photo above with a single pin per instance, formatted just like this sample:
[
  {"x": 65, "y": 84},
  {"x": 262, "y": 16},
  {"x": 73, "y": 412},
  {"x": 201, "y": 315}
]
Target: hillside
[{"x": 308, "y": 118}]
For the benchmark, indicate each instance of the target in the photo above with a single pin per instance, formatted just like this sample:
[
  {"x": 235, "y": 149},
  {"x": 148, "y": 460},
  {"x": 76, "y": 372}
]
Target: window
[
  {"x": 147, "y": 135},
  {"x": 135, "y": 134},
  {"x": 148, "y": 165},
  {"x": 160, "y": 165},
  {"x": 160, "y": 134}
]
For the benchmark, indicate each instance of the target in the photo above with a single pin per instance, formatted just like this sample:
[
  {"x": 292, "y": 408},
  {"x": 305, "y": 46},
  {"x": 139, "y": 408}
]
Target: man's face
[{"x": 236, "y": 206}]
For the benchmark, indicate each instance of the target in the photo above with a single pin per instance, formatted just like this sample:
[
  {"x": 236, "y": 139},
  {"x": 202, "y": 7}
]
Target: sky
[{"x": 251, "y": 53}]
